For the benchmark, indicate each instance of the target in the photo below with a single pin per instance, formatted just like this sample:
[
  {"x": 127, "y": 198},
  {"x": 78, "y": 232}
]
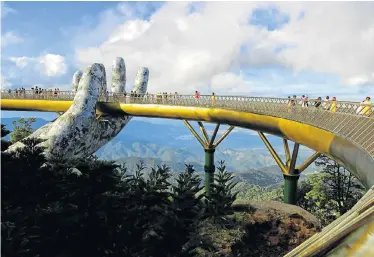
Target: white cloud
[
  {"x": 54, "y": 65},
  {"x": 51, "y": 65},
  {"x": 335, "y": 38},
  {"x": 10, "y": 38},
  {"x": 183, "y": 52},
  {"x": 21, "y": 62},
  {"x": 5, "y": 10},
  {"x": 5, "y": 83},
  {"x": 202, "y": 50},
  {"x": 229, "y": 82}
]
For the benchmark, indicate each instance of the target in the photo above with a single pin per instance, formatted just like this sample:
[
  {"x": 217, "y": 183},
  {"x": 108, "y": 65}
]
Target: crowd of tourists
[
  {"x": 365, "y": 107},
  {"x": 35, "y": 91},
  {"x": 330, "y": 105}
]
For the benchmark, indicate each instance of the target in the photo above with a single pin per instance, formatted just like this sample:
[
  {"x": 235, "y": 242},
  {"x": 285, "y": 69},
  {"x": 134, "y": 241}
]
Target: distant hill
[
  {"x": 235, "y": 160},
  {"x": 173, "y": 145},
  {"x": 264, "y": 176}
]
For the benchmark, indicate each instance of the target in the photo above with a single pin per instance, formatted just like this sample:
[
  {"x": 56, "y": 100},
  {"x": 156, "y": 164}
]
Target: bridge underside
[
  {"x": 344, "y": 151},
  {"x": 353, "y": 157}
]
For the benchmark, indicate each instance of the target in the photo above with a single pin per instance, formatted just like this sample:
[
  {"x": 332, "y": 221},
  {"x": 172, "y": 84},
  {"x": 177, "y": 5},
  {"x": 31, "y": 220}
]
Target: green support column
[
  {"x": 291, "y": 173},
  {"x": 290, "y": 188},
  {"x": 209, "y": 169},
  {"x": 209, "y": 148}
]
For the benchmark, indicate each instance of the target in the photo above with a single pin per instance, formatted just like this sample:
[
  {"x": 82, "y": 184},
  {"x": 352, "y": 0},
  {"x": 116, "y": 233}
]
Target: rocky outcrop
[
  {"x": 78, "y": 133},
  {"x": 265, "y": 228}
]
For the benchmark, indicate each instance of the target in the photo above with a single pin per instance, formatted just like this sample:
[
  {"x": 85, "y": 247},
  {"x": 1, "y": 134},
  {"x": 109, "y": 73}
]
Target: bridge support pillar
[
  {"x": 290, "y": 188},
  {"x": 209, "y": 169},
  {"x": 291, "y": 173},
  {"x": 209, "y": 147}
]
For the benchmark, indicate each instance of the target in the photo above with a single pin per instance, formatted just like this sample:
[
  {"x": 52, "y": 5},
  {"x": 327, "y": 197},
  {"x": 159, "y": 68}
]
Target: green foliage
[
  {"x": 304, "y": 186},
  {"x": 222, "y": 196},
  {"x": 4, "y": 143},
  {"x": 331, "y": 193},
  {"x": 257, "y": 193},
  {"x": 318, "y": 201},
  {"x": 186, "y": 209},
  {"x": 97, "y": 208},
  {"x": 344, "y": 188},
  {"x": 21, "y": 129},
  {"x": 185, "y": 203},
  {"x": 4, "y": 131}
]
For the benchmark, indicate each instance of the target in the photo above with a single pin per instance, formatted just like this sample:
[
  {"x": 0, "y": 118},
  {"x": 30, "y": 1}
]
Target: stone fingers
[
  {"x": 141, "y": 81},
  {"x": 118, "y": 75},
  {"x": 75, "y": 82}
]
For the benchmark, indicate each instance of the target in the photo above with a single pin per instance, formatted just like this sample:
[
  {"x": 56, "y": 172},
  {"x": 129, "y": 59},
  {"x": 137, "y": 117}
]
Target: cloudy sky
[{"x": 247, "y": 48}]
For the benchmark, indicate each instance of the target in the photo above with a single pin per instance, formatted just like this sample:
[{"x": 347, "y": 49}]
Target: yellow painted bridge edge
[
  {"x": 295, "y": 131},
  {"x": 351, "y": 156}
]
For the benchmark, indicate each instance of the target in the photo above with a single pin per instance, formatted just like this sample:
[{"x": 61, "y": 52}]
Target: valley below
[{"x": 158, "y": 142}]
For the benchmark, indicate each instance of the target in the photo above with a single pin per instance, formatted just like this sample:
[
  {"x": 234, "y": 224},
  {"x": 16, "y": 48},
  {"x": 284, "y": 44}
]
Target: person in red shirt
[{"x": 197, "y": 95}]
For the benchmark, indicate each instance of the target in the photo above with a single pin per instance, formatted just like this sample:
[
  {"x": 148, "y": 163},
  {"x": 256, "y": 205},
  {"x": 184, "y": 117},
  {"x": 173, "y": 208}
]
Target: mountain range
[{"x": 173, "y": 144}]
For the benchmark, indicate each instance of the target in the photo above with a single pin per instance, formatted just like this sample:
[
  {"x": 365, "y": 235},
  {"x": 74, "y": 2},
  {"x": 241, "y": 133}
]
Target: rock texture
[
  {"x": 76, "y": 78},
  {"x": 258, "y": 229},
  {"x": 141, "y": 81},
  {"x": 118, "y": 75},
  {"x": 78, "y": 133}
]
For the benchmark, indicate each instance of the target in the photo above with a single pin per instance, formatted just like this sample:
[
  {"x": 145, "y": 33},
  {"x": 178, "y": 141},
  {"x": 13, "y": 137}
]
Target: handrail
[{"x": 204, "y": 100}]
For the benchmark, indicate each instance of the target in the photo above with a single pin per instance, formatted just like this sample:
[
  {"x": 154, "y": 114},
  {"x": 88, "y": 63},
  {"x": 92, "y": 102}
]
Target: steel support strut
[
  {"x": 209, "y": 148},
  {"x": 291, "y": 173},
  {"x": 209, "y": 169}
]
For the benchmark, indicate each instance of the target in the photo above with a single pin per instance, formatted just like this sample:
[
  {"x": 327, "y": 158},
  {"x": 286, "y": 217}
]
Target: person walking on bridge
[
  {"x": 333, "y": 104},
  {"x": 304, "y": 101},
  {"x": 366, "y": 107},
  {"x": 318, "y": 102},
  {"x": 326, "y": 106},
  {"x": 197, "y": 96},
  {"x": 293, "y": 100},
  {"x": 159, "y": 98},
  {"x": 213, "y": 99},
  {"x": 175, "y": 97},
  {"x": 291, "y": 103}
]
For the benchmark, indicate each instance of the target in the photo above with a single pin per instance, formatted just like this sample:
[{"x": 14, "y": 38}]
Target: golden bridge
[{"x": 346, "y": 135}]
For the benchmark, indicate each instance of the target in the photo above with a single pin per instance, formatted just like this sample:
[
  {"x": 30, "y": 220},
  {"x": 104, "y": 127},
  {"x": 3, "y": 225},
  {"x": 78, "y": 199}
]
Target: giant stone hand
[{"x": 78, "y": 133}]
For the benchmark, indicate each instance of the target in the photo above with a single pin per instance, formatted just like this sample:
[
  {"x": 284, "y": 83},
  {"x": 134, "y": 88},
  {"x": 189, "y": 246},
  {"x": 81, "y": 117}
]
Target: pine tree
[
  {"x": 21, "y": 129},
  {"x": 221, "y": 198},
  {"x": 184, "y": 211}
]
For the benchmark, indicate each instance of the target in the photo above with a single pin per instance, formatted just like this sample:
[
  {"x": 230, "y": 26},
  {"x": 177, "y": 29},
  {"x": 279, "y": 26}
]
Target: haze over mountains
[{"x": 172, "y": 144}]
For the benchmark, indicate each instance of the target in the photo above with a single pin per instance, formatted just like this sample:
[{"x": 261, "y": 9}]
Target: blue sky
[{"x": 260, "y": 49}]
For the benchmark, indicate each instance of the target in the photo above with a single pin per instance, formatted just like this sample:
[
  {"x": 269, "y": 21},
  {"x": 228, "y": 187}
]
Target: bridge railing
[{"x": 232, "y": 102}]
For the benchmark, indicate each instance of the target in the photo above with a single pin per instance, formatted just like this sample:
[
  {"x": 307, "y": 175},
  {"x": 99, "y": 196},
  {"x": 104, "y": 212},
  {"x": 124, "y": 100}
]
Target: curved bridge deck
[{"x": 353, "y": 133}]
